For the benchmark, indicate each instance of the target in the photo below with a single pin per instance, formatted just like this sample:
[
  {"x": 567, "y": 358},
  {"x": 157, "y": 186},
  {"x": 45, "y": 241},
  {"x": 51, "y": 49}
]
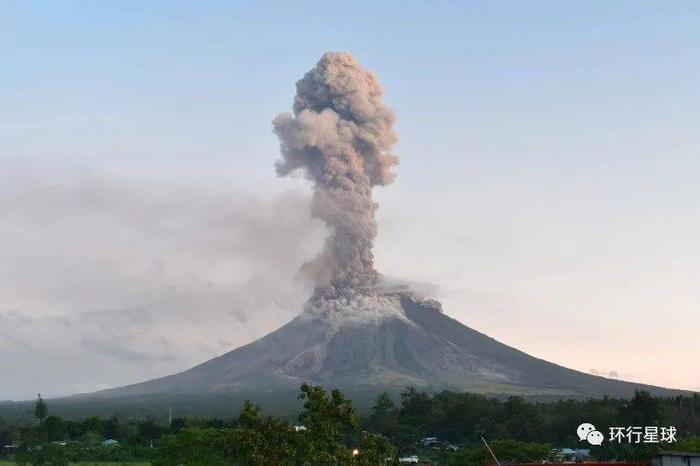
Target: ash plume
[{"x": 340, "y": 134}]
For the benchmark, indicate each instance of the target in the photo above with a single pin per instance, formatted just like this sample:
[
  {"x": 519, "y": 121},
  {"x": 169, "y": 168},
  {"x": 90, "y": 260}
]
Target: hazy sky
[{"x": 548, "y": 181}]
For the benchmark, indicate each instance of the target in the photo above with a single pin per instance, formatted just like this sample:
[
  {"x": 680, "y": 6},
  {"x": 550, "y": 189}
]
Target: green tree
[
  {"x": 6, "y": 433},
  {"x": 149, "y": 431},
  {"x": 326, "y": 418},
  {"x": 111, "y": 428},
  {"x": 250, "y": 416},
  {"x": 270, "y": 442},
  {"x": 416, "y": 407},
  {"x": 177, "y": 424},
  {"x": 689, "y": 444},
  {"x": 192, "y": 447},
  {"x": 92, "y": 439},
  {"x": 47, "y": 454},
  {"x": 55, "y": 428},
  {"x": 521, "y": 418},
  {"x": 384, "y": 414},
  {"x": 40, "y": 409},
  {"x": 414, "y": 418},
  {"x": 644, "y": 410},
  {"x": 375, "y": 449}
]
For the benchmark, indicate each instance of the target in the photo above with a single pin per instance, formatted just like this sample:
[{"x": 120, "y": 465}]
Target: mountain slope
[{"x": 419, "y": 346}]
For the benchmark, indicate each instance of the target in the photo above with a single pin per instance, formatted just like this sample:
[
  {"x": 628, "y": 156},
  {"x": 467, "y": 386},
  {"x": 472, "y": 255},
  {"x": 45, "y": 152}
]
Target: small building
[
  {"x": 10, "y": 449},
  {"x": 676, "y": 458},
  {"x": 409, "y": 459},
  {"x": 430, "y": 441},
  {"x": 570, "y": 455},
  {"x": 110, "y": 442}
]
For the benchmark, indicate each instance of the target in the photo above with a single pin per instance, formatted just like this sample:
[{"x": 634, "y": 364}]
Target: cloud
[
  {"x": 119, "y": 351},
  {"x": 15, "y": 318},
  {"x": 611, "y": 374},
  {"x": 154, "y": 275}
]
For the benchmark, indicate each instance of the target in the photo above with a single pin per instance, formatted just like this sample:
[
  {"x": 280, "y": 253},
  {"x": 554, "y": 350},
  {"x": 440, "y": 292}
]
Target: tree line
[
  {"x": 464, "y": 419},
  {"x": 518, "y": 430}
]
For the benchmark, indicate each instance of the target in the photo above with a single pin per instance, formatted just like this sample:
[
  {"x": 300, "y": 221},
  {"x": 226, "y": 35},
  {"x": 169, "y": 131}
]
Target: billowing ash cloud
[{"x": 340, "y": 135}]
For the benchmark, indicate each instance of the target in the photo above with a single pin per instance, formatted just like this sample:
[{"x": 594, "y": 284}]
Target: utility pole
[{"x": 491, "y": 451}]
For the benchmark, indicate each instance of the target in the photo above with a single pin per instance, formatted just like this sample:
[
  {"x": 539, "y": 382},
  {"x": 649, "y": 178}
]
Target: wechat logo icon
[{"x": 588, "y": 432}]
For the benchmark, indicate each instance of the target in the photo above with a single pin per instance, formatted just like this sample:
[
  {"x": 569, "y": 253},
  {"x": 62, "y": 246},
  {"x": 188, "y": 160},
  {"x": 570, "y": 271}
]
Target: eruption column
[{"x": 340, "y": 135}]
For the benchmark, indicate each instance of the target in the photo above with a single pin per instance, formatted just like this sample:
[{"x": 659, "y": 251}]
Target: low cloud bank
[{"x": 144, "y": 277}]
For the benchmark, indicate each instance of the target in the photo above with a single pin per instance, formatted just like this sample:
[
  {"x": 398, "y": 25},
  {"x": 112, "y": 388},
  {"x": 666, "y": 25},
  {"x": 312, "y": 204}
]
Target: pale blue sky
[{"x": 549, "y": 149}]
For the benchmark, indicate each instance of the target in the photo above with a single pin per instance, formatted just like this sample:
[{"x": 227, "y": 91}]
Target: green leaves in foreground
[{"x": 329, "y": 421}]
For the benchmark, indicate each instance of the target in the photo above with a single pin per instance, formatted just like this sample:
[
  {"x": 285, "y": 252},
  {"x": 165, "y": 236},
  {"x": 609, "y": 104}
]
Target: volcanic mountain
[
  {"x": 404, "y": 341},
  {"x": 356, "y": 333}
]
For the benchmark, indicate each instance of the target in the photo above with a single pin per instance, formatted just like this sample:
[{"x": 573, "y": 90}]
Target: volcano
[
  {"x": 356, "y": 333},
  {"x": 412, "y": 344}
]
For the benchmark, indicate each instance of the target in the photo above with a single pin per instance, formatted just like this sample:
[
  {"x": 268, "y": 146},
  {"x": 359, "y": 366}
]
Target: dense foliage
[
  {"x": 329, "y": 423},
  {"x": 518, "y": 431},
  {"x": 465, "y": 417}
]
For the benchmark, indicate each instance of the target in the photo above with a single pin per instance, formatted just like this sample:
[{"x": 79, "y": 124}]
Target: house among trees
[{"x": 10, "y": 449}]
